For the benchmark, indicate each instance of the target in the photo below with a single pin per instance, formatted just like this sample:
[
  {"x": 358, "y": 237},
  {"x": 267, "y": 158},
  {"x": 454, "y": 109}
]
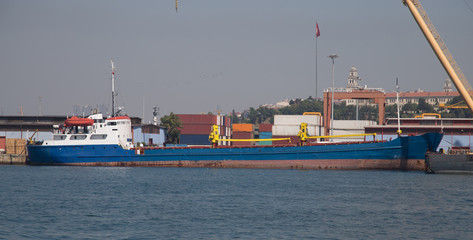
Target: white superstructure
[{"x": 114, "y": 130}]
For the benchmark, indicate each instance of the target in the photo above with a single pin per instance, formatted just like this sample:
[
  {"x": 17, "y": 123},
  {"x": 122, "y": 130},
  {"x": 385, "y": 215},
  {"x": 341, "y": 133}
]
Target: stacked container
[
  {"x": 287, "y": 126},
  {"x": 345, "y": 127},
  {"x": 242, "y": 131},
  {"x": 15, "y": 146},
  {"x": 265, "y": 132},
  {"x": 197, "y": 127}
]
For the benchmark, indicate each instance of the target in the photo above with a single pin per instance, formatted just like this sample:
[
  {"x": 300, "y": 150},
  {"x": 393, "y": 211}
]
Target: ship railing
[
  {"x": 344, "y": 136},
  {"x": 255, "y": 140}
]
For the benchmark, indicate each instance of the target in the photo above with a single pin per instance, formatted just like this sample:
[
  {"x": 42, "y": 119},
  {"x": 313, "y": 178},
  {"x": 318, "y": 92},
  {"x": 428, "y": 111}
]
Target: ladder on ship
[{"x": 441, "y": 50}]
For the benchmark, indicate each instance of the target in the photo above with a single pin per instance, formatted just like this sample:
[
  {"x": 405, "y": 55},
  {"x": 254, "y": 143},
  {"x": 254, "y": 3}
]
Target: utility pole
[{"x": 333, "y": 56}]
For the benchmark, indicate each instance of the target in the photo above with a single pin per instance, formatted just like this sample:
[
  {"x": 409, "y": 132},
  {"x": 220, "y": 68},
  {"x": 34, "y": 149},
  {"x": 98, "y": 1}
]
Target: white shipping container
[
  {"x": 292, "y": 130},
  {"x": 352, "y": 124},
  {"x": 347, "y": 132},
  {"x": 296, "y": 119}
]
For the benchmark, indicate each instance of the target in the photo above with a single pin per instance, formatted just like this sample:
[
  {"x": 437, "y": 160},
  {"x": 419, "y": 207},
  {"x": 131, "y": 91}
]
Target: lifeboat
[{"x": 75, "y": 121}]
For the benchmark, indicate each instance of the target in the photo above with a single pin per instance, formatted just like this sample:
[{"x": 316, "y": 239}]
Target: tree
[
  {"x": 457, "y": 112},
  {"x": 253, "y": 115},
  {"x": 409, "y": 110},
  {"x": 172, "y": 123},
  {"x": 234, "y": 117},
  {"x": 424, "y": 107},
  {"x": 391, "y": 111}
]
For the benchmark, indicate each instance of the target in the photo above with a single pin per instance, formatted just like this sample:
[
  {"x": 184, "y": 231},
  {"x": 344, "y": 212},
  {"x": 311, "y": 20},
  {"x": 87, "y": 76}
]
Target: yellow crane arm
[{"x": 441, "y": 50}]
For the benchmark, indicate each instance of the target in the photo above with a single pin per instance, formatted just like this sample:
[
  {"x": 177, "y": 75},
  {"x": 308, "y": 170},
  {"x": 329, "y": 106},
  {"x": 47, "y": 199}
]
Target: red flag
[{"x": 317, "y": 31}]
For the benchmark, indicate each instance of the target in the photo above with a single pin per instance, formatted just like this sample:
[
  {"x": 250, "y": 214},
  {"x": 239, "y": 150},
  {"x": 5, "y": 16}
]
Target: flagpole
[
  {"x": 316, "y": 80},
  {"x": 317, "y": 34}
]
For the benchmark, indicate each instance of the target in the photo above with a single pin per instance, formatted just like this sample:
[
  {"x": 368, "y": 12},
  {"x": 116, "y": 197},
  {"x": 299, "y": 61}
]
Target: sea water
[{"x": 202, "y": 203}]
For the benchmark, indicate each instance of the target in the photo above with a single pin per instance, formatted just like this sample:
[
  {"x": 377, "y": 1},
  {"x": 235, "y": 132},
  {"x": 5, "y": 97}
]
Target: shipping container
[
  {"x": 195, "y": 139},
  {"x": 293, "y": 130},
  {"x": 351, "y": 139},
  {"x": 296, "y": 119},
  {"x": 265, "y": 127},
  {"x": 242, "y": 127},
  {"x": 352, "y": 124},
  {"x": 223, "y": 143},
  {"x": 265, "y": 135},
  {"x": 242, "y": 135},
  {"x": 196, "y": 129},
  {"x": 228, "y": 131},
  {"x": 3, "y": 144},
  {"x": 198, "y": 119}
]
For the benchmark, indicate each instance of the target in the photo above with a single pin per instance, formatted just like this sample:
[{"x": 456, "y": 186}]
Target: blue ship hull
[{"x": 406, "y": 153}]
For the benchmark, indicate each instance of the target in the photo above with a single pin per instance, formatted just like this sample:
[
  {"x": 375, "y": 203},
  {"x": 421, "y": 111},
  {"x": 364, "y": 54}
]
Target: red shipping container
[
  {"x": 242, "y": 135},
  {"x": 266, "y": 127},
  {"x": 3, "y": 144},
  {"x": 198, "y": 119},
  {"x": 223, "y": 131},
  {"x": 196, "y": 129}
]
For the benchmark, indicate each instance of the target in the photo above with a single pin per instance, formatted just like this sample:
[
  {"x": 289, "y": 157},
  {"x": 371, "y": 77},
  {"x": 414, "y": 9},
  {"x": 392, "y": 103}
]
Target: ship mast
[{"x": 113, "y": 88}]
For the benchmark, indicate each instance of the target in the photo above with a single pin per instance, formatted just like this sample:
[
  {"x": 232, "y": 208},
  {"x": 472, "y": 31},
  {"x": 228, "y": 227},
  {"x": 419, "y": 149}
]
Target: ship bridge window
[
  {"x": 112, "y": 123},
  {"x": 98, "y": 136},
  {"x": 78, "y": 137},
  {"x": 59, "y": 137}
]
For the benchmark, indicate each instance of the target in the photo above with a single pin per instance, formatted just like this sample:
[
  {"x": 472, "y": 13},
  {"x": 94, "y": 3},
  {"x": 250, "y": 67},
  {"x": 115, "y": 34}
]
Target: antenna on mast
[
  {"x": 398, "y": 110},
  {"x": 113, "y": 88}
]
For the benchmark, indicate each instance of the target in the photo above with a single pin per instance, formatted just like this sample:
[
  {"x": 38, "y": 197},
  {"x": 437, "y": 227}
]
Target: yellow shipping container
[{"x": 243, "y": 127}]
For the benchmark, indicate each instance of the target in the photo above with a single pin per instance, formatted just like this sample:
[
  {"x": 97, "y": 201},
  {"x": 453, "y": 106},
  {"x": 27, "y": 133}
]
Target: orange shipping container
[{"x": 243, "y": 127}]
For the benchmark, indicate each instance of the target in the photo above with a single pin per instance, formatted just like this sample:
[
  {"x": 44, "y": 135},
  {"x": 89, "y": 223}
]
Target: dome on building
[{"x": 353, "y": 78}]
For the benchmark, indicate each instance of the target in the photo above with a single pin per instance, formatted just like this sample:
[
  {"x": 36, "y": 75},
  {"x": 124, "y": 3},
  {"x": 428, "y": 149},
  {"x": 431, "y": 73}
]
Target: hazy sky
[{"x": 215, "y": 54}]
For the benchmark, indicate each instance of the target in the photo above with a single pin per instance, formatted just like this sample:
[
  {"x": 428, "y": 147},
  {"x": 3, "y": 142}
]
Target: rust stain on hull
[{"x": 334, "y": 164}]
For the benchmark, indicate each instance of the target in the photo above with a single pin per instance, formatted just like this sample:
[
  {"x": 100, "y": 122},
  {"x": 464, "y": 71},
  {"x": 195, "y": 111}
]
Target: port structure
[
  {"x": 378, "y": 97},
  {"x": 441, "y": 50}
]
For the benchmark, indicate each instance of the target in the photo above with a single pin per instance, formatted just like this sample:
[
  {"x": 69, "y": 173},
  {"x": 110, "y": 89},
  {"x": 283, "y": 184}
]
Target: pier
[{"x": 12, "y": 159}]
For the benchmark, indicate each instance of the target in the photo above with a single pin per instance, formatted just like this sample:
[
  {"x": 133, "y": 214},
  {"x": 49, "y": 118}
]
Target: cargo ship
[
  {"x": 108, "y": 141},
  {"x": 99, "y": 141}
]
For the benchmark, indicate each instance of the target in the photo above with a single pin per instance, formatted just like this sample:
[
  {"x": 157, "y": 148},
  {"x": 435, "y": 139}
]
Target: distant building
[
  {"x": 432, "y": 98},
  {"x": 353, "y": 84},
  {"x": 280, "y": 104},
  {"x": 447, "y": 86}
]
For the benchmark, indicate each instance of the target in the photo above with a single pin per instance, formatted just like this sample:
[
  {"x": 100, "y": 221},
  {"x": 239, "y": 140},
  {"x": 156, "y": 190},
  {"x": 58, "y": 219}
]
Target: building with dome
[{"x": 432, "y": 98}]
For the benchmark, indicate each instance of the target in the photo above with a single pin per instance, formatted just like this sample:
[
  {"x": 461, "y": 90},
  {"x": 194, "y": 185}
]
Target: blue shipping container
[
  {"x": 195, "y": 139},
  {"x": 265, "y": 135}
]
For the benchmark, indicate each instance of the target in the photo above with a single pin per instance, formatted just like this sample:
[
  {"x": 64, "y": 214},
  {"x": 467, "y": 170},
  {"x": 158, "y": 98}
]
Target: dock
[{"x": 12, "y": 159}]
